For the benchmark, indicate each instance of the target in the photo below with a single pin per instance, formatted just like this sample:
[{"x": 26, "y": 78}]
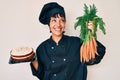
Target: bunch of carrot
[
  {"x": 88, "y": 49},
  {"x": 89, "y": 22}
]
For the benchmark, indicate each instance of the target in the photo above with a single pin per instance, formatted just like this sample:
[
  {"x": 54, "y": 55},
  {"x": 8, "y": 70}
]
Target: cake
[{"x": 22, "y": 53}]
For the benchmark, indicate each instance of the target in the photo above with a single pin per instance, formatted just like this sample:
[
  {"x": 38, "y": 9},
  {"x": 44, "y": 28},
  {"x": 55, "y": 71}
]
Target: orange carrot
[
  {"x": 95, "y": 45},
  {"x": 92, "y": 50},
  {"x": 86, "y": 53},
  {"x": 81, "y": 53},
  {"x": 90, "y": 54}
]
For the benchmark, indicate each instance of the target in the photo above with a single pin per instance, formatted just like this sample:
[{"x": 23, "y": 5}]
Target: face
[{"x": 57, "y": 25}]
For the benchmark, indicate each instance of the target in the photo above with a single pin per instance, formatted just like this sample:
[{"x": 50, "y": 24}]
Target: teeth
[{"x": 57, "y": 29}]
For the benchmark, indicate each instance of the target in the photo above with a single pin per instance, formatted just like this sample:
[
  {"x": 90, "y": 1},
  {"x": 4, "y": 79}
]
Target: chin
[{"x": 58, "y": 34}]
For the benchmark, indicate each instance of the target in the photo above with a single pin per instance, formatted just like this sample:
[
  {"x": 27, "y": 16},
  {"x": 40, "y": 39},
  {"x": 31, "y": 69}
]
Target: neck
[{"x": 56, "y": 38}]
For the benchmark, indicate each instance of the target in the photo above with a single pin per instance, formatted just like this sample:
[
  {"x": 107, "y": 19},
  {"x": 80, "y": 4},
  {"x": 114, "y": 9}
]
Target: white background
[{"x": 19, "y": 26}]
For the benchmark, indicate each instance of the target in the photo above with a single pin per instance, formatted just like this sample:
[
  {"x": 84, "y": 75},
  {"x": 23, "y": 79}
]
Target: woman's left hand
[{"x": 91, "y": 26}]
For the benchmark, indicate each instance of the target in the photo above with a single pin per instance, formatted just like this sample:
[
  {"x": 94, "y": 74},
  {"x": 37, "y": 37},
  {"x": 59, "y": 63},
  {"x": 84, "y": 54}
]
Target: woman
[{"x": 58, "y": 58}]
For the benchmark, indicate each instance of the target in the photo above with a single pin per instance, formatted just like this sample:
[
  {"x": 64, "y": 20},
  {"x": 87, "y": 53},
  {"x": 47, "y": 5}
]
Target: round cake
[{"x": 22, "y": 53}]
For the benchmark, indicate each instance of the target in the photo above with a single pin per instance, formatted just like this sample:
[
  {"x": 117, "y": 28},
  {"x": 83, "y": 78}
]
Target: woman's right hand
[{"x": 35, "y": 64}]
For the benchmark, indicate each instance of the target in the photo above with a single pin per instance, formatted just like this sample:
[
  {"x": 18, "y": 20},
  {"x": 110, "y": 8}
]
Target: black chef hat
[{"x": 49, "y": 10}]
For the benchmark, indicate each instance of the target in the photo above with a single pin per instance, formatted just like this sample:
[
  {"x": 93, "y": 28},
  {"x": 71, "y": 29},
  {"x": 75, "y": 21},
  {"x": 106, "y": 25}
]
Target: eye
[
  {"x": 53, "y": 20},
  {"x": 62, "y": 20}
]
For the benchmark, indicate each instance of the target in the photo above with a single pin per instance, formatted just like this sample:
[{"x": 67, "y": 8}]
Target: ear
[{"x": 50, "y": 29}]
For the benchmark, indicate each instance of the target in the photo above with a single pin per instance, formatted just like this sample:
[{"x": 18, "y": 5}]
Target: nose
[{"x": 58, "y": 23}]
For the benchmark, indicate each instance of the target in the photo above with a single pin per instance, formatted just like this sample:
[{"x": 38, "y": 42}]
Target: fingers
[{"x": 90, "y": 25}]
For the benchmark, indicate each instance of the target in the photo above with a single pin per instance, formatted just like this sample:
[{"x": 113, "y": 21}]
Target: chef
[{"x": 58, "y": 57}]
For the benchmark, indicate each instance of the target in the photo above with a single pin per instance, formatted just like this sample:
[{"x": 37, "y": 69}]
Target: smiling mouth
[{"x": 58, "y": 29}]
